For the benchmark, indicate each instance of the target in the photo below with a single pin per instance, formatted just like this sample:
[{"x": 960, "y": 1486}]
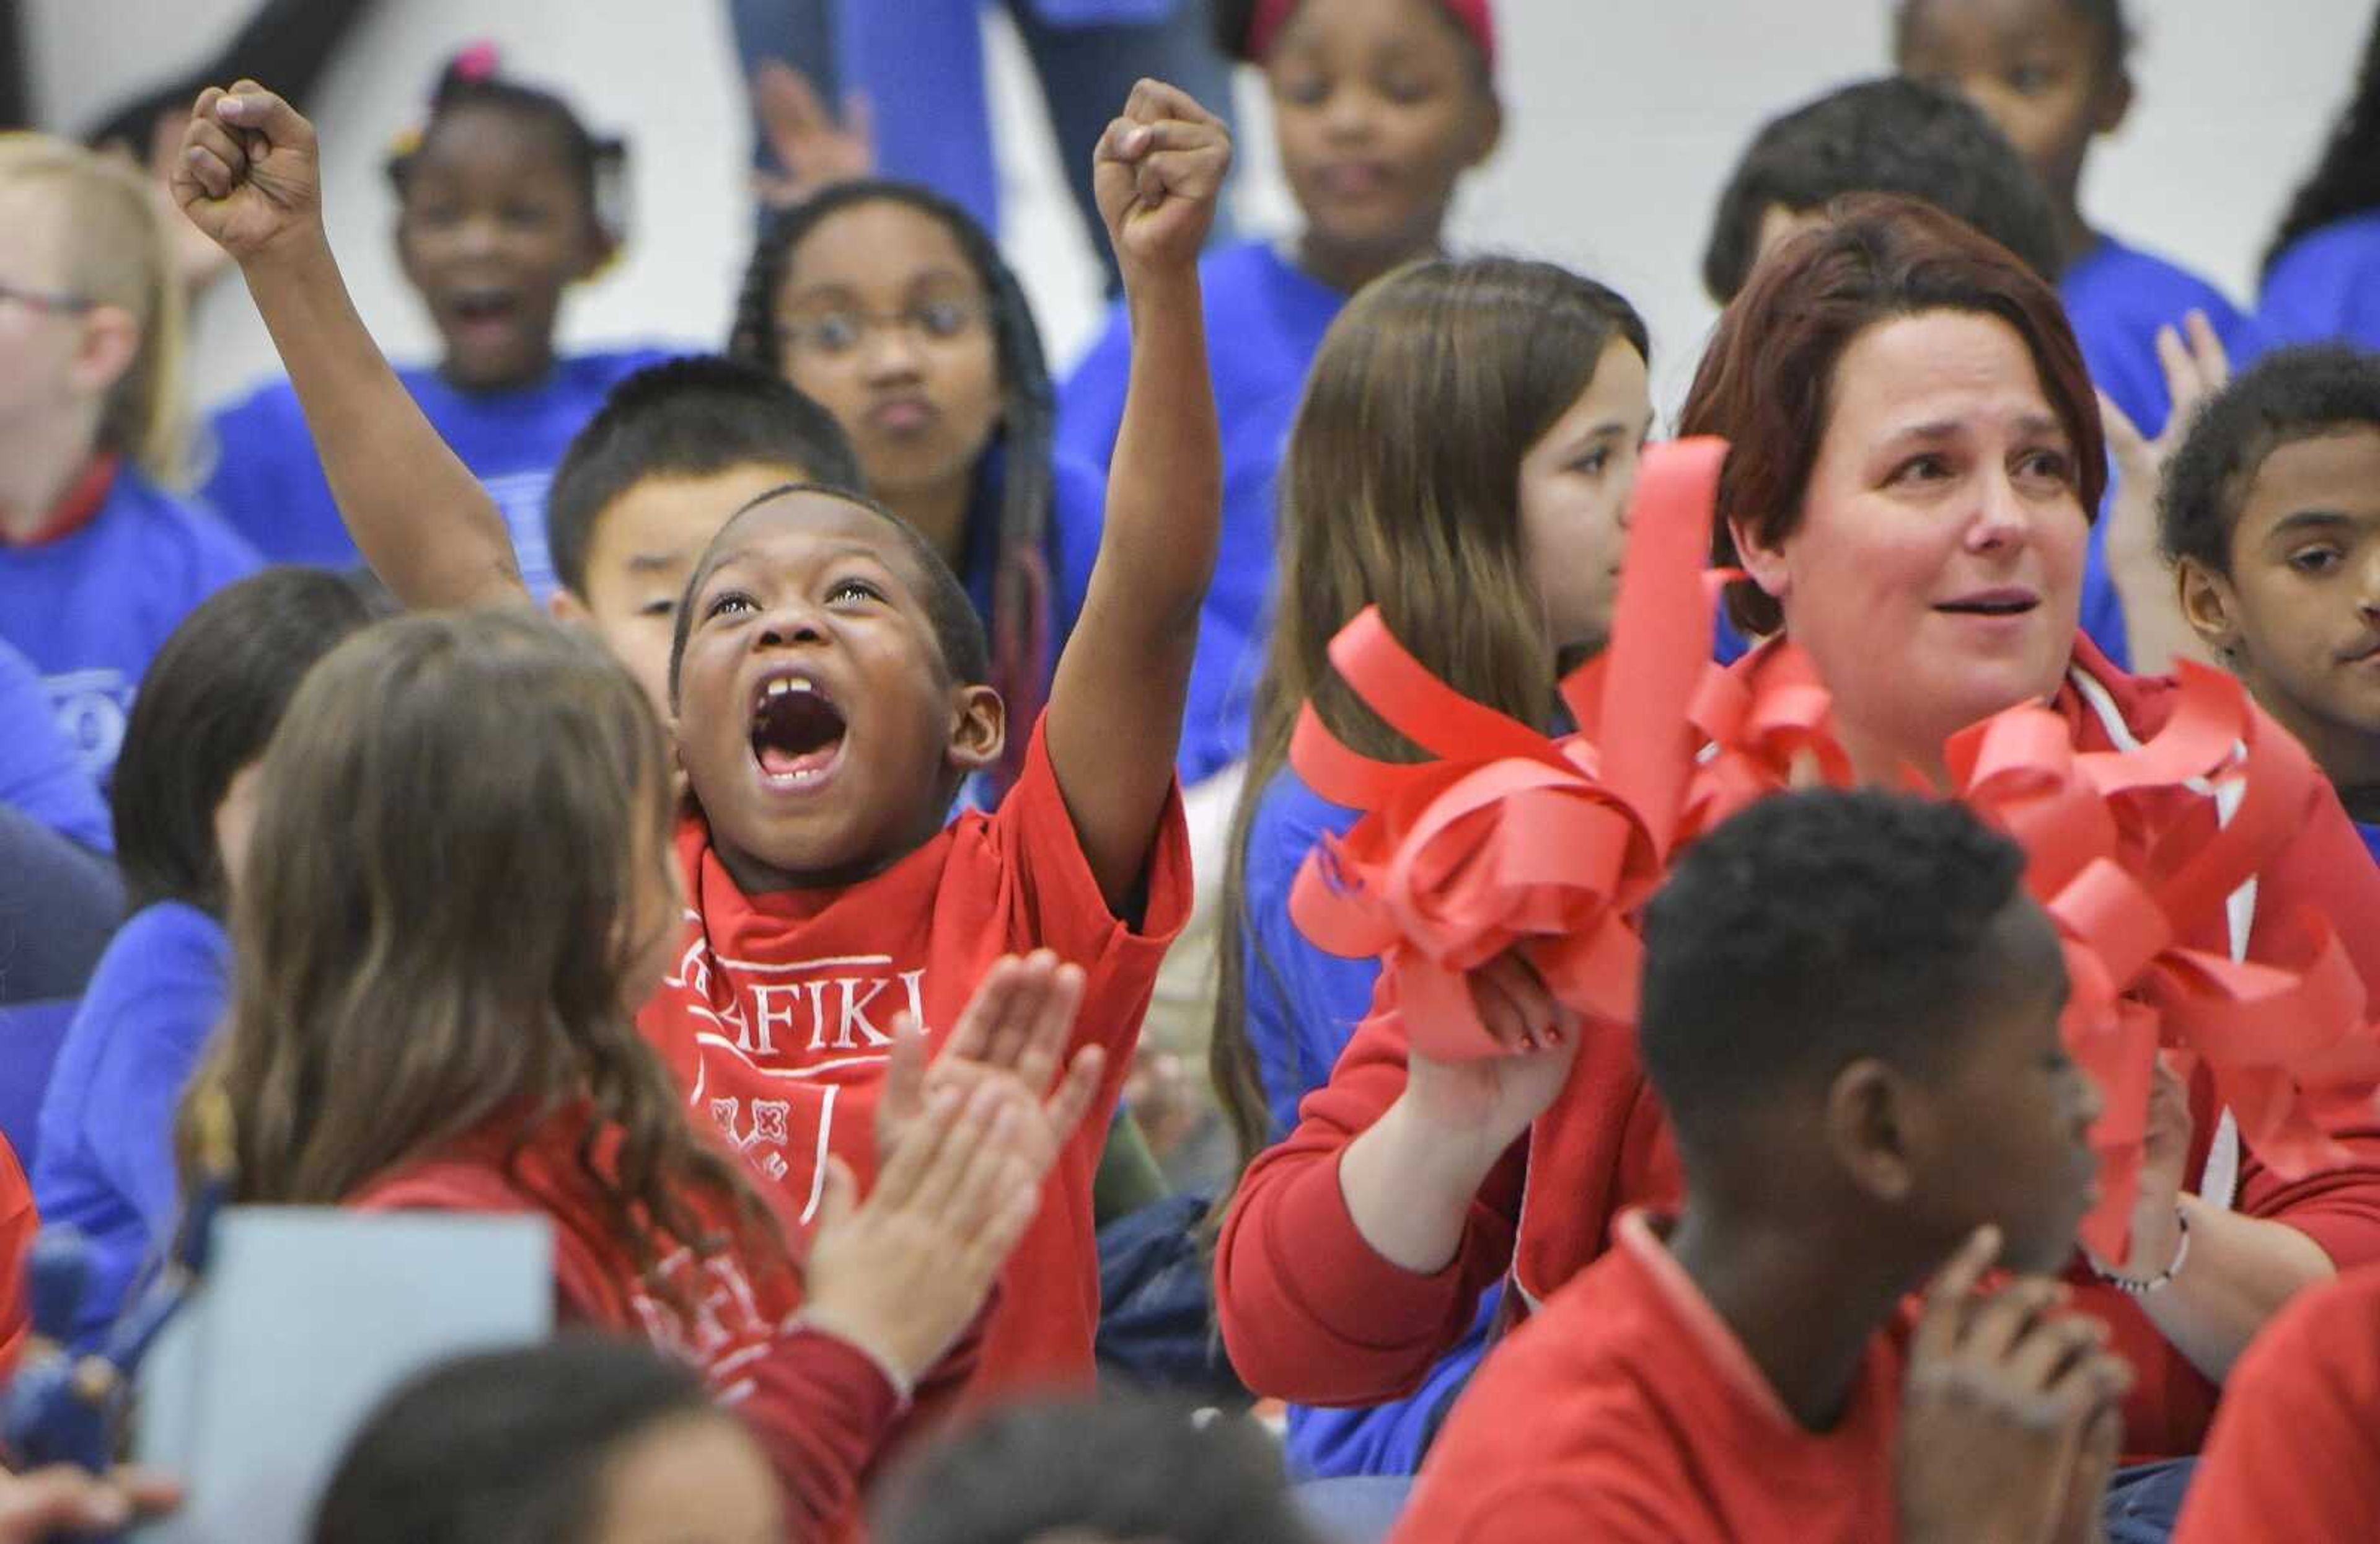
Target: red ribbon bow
[
  {"x": 1512, "y": 840},
  {"x": 2126, "y": 851}
]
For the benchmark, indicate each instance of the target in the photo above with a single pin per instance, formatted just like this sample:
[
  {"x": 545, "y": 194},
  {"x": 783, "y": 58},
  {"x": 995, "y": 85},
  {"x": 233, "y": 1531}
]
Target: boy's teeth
[{"x": 783, "y": 684}]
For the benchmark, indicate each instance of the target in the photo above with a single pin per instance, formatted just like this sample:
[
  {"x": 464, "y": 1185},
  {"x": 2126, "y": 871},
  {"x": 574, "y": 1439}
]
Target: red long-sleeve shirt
[
  {"x": 1311, "y": 1313},
  {"x": 822, "y": 1409}
]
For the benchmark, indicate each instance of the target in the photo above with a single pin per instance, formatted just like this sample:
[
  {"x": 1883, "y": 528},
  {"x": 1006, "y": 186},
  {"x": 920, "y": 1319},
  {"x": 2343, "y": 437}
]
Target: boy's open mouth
[{"x": 796, "y": 730}]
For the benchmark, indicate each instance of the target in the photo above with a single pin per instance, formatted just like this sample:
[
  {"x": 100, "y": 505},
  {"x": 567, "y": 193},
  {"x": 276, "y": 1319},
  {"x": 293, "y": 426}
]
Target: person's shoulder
[
  {"x": 2343, "y": 248},
  {"x": 2132, "y": 280},
  {"x": 164, "y": 945},
  {"x": 267, "y": 404},
  {"x": 1291, "y": 814}
]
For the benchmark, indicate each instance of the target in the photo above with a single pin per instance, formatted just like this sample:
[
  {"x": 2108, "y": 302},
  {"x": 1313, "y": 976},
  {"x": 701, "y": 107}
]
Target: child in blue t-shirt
[
  {"x": 98, "y": 560},
  {"x": 184, "y": 798},
  {"x": 2322, "y": 273},
  {"x": 40, "y": 774},
  {"x": 2054, "y": 75},
  {"x": 1516, "y": 565},
  {"x": 1378, "y": 110},
  {"x": 2272, "y": 516},
  {"x": 506, "y": 202}
]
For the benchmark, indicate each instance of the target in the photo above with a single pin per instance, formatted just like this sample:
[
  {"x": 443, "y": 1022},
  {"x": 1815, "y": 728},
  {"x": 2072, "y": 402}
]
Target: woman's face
[
  {"x": 1936, "y": 574},
  {"x": 883, "y": 321},
  {"x": 1574, "y": 487},
  {"x": 44, "y": 366}
]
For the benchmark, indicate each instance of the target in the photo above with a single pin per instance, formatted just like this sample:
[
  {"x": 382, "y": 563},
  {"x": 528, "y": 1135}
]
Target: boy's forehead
[
  {"x": 681, "y": 514},
  {"x": 797, "y": 523}
]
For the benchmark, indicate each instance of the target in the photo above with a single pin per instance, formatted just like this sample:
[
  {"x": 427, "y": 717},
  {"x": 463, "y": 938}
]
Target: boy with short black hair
[
  {"x": 829, "y": 704},
  {"x": 676, "y": 449},
  {"x": 1850, "y": 1013},
  {"x": 2271, "y": 517}
]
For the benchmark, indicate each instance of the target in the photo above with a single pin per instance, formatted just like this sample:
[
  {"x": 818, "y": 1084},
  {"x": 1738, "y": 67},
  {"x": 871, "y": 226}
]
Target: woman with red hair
[{"x": 1916, "y": 451}]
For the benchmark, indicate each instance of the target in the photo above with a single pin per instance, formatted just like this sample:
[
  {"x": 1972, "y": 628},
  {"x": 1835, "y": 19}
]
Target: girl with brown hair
[{"x": 1490, "y": 551}]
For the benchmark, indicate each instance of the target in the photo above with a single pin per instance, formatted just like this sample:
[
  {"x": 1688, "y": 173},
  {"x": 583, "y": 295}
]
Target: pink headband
[{"x": 1473, "y": 16}]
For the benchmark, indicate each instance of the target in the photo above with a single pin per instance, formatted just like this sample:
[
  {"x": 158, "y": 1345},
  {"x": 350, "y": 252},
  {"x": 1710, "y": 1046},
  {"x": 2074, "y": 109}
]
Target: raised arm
[
  {"x": 249, "y": 178},
  {"x": 1115, "y": 708}
]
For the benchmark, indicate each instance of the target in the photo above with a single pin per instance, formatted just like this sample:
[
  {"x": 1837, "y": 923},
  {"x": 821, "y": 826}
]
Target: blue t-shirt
[
  {"x": 92, "y": 607},
  {"x": 2370, "y": 831},
  {"x": 269, "y": 483},
  {"x": 40, "y": 774},
  {"x": 2117, "y": 296},
  {"x": 106, "y": 1159},
  {"x": 1265, "y": 318},
  {"x": 1302, "y": 1007},
  {"x": 2325, "y": 286}
]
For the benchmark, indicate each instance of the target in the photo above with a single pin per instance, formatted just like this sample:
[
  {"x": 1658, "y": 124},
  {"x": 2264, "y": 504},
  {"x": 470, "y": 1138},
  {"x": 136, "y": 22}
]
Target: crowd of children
[{"x": 763, "y": 814}]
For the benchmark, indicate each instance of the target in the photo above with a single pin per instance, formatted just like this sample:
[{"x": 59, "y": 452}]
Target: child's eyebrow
[
  {"x": 2319, "y": 518},
  {"x": 655, "y": 562}
]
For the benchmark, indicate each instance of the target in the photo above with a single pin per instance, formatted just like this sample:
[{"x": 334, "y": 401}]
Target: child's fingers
[
  {"x": 216, "y": 174},
  {"x": 1052, "y": 1030},
  {"x": 980, "y": 1186},
  {"x": 1193, "y": 174},
  {"x": 838, "y": 1195},
  {"x": 1122, "y": 140},
  {"x": 251, "y": 107},
  {"x": 971, "y": 1037},
  {"x": 987, "y": 1249},
  {"x": 984, "y": 1120},
  {"x": 1152, "y": 99},
  {"x": 905, "y": 1072},
  {"x": 2008, "y": 1316},
  {"x": 899, "y": 1172},
  {"x": 1020, "y": 1012},
  {"x": 1066, "y": 1108},
  {"x": 1948, "y": 1297},
  {"x": 2213, "y": 359},
  {"x": 2053, "y": 1348},
  {"x": 2124, "y": 436}
]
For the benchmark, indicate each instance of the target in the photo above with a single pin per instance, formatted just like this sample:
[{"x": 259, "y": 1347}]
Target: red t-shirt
[
  {"x": 821, "y": 1408},
  {"x": 777, "y": 1016},
  {"x": 18, "y": 1222},
  {"x": 1626, "y": 1412},
  {"x": 2296, "y": 1452},
  {"x": 1311, "y": 1313}
]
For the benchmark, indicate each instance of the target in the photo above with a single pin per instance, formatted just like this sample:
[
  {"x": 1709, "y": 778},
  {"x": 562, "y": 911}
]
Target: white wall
[{"x": 1625, "y": 116}]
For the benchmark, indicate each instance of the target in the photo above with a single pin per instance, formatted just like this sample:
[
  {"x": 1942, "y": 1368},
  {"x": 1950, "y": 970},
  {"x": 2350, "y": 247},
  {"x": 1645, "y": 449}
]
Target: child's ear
[
  {"x": 1868, "y": 1130},
  {"x": 2113, "y": 101},
  {"x": 596, "y": 254},
  {"x": 567, "y": 608},
  {"x": 1764, "y": 563},
  {"x": 979, "y": 727},
  {"x": 2209, "y": 605},
  {"x": 1490, "y": 132},
  {"x": 111, "y": 341}
]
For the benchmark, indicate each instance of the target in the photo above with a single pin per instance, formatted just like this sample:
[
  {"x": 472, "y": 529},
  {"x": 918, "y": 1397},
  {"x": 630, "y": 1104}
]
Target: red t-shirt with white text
[{"x": 778, "y": 1013}]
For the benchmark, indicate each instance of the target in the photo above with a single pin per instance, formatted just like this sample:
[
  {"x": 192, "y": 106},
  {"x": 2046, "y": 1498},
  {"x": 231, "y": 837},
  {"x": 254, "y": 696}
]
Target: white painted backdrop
[{"x": 1625, "y": 116}]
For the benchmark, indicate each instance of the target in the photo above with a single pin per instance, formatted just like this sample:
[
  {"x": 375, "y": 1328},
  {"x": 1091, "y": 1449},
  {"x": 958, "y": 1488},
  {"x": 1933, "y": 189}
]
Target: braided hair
[
  {"x": 1022, "y": 648},
  {"x": 2347, "y": 180}
]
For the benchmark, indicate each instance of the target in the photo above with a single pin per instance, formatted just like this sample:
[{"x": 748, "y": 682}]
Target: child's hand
[
  {"x": 1157, "y": 171},
  {"x": 2001, "y": 1400},
  {"x": 815, "y": 150},
  {"x": 248, "y": 175},
  {"x": 1014, "y": 1032},
  {"x": 1486, "y": 1102},
  {"x": 904, "y": 1275},
  {"x": 2196, "y": 366}
]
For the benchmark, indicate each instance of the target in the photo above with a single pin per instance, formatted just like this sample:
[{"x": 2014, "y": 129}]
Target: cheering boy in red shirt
[
  {"x": 827, "y": 683},
  {"x": 1850, "y": 1012}
]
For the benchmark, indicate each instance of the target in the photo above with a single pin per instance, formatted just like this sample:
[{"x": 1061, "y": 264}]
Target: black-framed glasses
[
  {"x": 45, "y": 299},
  {"x": 840, "y": 332}
]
